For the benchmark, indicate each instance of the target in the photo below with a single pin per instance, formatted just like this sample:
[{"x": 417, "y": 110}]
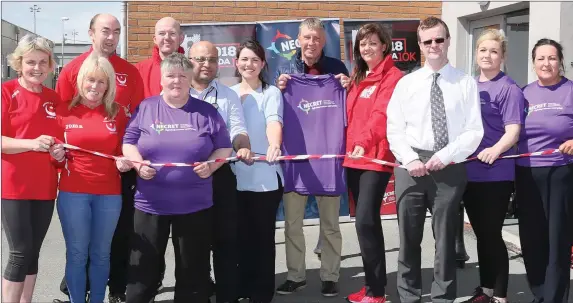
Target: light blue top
[
  {"x": 227, "y": 103},
  {"x": 260, "y": 108}
]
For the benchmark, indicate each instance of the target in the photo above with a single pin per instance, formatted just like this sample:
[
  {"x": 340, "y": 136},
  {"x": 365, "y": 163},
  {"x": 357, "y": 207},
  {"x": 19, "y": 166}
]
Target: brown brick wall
[{"x": 142, "y": 15}]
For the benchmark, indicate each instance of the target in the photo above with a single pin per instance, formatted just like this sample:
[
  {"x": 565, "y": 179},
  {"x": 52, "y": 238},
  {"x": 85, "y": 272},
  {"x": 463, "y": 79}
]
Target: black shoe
[
  {"x": 479, "y": 297},
  {"x": 116, "y": 298},
  {"x": 329, "y": 289},
  {"x": 288, "y": 287},
  {"x": 60, "y": 301}
]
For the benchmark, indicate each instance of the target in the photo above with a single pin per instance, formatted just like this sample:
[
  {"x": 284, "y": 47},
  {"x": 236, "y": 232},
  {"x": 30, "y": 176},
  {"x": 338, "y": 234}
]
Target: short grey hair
[
  {"x": 176, "y": 60},
  {"x": 311, "y": 23}
]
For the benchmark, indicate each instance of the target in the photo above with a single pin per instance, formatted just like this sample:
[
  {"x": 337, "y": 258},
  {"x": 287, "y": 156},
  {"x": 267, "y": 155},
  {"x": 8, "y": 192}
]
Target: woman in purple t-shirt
[
  {"x": 544, "y": 191},
  {"x": 490, "y": 181},
  {"x": 174, "y": 127}
]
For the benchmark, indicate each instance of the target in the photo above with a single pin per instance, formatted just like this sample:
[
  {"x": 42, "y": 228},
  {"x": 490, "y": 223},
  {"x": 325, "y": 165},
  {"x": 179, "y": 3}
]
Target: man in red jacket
[
  {"x": 104, "y": 32},
  {"x": 167, "y": 38}
]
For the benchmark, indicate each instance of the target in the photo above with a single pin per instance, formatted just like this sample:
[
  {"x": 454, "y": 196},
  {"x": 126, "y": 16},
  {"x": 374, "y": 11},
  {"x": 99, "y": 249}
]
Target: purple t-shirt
[
  {"x": 502, "y": 104},
  {"x": 314, "y": 123},
  {"x": 548, "y": 124},
  {"x": 164, "y": 134}
]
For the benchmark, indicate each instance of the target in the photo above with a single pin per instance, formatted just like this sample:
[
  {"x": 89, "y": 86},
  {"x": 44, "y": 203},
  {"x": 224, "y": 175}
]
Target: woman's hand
[
  {"x": 203, "y": 170},
  {"x": 145, "y": 171},
  {"x": 57, "y": 152},
  {"x": 357, "y": 152},
  {"x": 123, "y": 164},
  {"x": 273, "y": 152},
  {"x": 489, "y": 155},
  {"x": 245, "y": 155},
  {"x": 42, "y": 143},
  {"x": 567, "y": 147}
]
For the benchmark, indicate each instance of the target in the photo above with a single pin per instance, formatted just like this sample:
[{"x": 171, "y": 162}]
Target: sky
[{"x": 49, "y": 18}]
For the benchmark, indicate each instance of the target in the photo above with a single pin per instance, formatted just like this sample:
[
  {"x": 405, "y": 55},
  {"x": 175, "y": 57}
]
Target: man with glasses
[
  {"x": 434, "y": 123},
  {"x": 204, "y": 56}
]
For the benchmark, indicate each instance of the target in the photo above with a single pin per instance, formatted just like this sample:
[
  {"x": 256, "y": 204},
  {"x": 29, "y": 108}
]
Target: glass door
[{"x": 476, "y": 28}]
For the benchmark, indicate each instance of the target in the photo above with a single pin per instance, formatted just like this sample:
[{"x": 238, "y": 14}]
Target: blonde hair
[
  {"x": 92, "y": 64},
  {"x": 27, "y": 44},
  {"x": 495, "y": 35}
]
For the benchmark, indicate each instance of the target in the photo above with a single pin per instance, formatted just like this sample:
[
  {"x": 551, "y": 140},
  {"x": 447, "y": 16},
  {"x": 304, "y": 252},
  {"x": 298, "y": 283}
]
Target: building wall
[
  {"x": 547, "y": 19},
  {"x": 143, "y": 15}
]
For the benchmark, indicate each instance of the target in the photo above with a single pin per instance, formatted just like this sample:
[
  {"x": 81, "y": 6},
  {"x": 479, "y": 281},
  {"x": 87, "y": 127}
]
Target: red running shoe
[
  {"x": 368, "y": 299},
  {"x": 357, "y": 296}
]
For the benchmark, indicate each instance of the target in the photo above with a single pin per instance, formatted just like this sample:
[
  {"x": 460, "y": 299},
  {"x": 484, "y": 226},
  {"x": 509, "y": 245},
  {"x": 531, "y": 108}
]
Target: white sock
[{"x": 488, "y": 291}]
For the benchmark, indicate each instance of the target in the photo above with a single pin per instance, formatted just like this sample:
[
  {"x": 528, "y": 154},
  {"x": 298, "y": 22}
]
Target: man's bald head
[
  {"x": 168, "y": 36},
  {"x": 204, "y": 56},
  {"x": 104, "y": 32}
]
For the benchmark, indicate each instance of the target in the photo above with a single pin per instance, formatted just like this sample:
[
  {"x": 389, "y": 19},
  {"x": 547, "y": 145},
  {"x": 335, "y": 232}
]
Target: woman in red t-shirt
[
  {"x": 372, "y": 84},
  {"x": 89, "y": 202},
  {"x": 29, "y": 175}
]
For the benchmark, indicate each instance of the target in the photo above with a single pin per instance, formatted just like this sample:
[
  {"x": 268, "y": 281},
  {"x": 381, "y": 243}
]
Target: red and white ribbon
[{"x": 288, "y": 158}]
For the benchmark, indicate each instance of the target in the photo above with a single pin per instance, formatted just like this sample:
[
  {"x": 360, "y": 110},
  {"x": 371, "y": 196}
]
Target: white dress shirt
[
  {"x": 228, "y": 105},
  {"x": 410, "y": 121}
]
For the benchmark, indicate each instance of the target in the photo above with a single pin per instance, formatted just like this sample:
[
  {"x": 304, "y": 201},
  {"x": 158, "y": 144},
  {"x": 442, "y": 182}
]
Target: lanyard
[{"x": 215, "y": 105}]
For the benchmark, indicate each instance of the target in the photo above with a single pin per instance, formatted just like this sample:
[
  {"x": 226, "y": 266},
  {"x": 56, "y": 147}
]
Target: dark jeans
[
  {"x": 257, "y": 218},
  {"x": 544, "y": 196},
  {"x": 486, "y": 206},
  {"x": 191, "y": 238},
  {"x": 225, "y": 242},
  {"x": 25, "y": 223},
  {"x": 368, "y": 188}
]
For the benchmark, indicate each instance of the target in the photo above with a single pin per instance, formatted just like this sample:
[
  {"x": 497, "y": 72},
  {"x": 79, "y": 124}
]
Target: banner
[
  {"x": 227, "y": 37},
  {"x": 279, "y": 38},
  {"x": 405, "y": 49}
]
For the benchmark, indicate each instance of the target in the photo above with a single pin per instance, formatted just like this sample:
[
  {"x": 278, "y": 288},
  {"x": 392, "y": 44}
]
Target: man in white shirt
[
  {"x": 434, "y": 122},
  {"x": 204, "y": 56}
]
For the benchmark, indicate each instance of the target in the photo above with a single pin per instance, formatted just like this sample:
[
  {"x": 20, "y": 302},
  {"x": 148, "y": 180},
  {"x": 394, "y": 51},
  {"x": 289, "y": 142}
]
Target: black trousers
[
  {"x": 191, "y": 238},
  {"x": 486, "y": 205},
  {"x": 368, "y": 188},
  {"x": 225, "y": 225},
  {"x": 119, "y": 255},
  {"x": 25, "y": 223},
  {"x": 544, "y": 196},
  {"x": 257, "y": 217}
]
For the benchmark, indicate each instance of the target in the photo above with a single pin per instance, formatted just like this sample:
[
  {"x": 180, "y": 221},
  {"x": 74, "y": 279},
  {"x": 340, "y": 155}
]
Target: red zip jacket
[
  {"x": 366, "y": 105},
  {"x": 129, "y": 86},
  {"x": 150, "y": 71}
]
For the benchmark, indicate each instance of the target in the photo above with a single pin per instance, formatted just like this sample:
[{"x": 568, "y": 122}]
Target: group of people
[{"x": 117, "y": 216}]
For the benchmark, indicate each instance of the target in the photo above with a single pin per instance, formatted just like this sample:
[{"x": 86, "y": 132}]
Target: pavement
[{"x": 52, "y": 262}]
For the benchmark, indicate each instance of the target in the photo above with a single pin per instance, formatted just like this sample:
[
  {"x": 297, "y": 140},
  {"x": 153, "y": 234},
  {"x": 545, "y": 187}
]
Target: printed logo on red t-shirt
[
  {"x": 121, "y": 79},
  {"x": 367, "y": 92},
  {"x": 50, "y": 111},
  {"x": 110, "y": 125}
]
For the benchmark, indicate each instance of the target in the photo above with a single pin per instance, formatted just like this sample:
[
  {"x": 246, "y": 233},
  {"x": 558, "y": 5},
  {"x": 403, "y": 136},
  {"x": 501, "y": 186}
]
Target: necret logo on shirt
[
  {"x": 543, "y": 106},
  {"x": 121, "y": 79},
  {"x": 49, "y": 108},
  {"x": 159, "y": 127},
  {"x": 110, "y": 125},
  {"x": 307, "y": 106}
]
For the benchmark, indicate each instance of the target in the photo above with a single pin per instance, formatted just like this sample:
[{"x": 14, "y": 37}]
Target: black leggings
[
  {"x": 368, "y": 188},
  {"x": 25, "y": 223},
  {"x": 486, "y": 204},
  {"x": 544, "y": 196}
]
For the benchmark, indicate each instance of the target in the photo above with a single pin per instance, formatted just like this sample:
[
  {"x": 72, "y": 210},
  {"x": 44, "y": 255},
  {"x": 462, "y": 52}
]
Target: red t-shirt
[
  {"x": 27, "y": 115},
  {"x": 91, "y": 129},
  {"x": 129, "y": 85}
]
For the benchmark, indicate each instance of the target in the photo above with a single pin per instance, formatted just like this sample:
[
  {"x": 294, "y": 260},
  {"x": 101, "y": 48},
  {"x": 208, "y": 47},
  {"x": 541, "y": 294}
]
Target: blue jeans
[{"x": 88, "y": 223}]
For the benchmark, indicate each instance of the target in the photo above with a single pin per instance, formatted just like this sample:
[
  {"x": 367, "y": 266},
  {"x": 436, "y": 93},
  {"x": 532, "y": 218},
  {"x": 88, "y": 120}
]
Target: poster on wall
[
  {"x": 405, "y": 49},
  {"x": 227, "y": 37},
  {"x": 280, "y": 40}
]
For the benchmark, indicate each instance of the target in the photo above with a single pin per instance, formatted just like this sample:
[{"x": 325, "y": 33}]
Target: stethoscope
[{"x": 215, "y": 105}]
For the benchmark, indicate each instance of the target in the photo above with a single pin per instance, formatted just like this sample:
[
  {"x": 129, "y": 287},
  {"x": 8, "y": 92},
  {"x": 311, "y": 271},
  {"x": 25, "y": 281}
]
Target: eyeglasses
[
  {"x": 202, "y": 60},
  {"x": 438, "y": 41}
]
